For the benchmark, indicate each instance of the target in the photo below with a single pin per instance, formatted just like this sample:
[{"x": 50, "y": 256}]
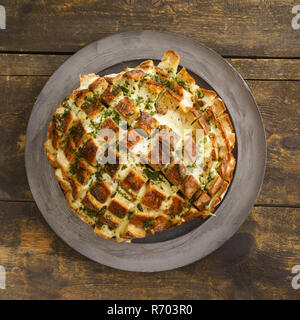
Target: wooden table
[{"x": 257, "y": 38}]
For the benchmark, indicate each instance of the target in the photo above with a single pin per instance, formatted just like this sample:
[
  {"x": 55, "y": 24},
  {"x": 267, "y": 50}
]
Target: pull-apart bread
[{"x": 141, "y": 151}]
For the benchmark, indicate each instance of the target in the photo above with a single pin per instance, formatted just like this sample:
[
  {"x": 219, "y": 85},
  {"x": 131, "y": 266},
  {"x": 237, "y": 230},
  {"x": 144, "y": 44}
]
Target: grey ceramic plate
[{"x": 191, "y": 241}]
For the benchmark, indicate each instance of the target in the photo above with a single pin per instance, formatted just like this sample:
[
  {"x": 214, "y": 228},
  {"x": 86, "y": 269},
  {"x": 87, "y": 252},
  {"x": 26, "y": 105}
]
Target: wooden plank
[
  {"x": 18, "y": 96},
  {"x": 233, "y": 28},
  {"x": 278, "y": 101},
  {"x": 267, "y": 69},
  {"x": 30, "y": 64},
  {"x": 255, "y": 263},
  {"x": 250, "y": 69}
]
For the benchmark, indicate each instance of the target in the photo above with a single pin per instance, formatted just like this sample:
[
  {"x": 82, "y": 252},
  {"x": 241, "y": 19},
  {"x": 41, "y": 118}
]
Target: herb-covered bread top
[{"x": 141, "y": 151}]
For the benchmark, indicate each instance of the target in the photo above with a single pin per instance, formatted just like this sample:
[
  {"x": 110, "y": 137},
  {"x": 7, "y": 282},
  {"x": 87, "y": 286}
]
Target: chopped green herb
[
  {"x": 59, "y": 119},
  {"x": 130, "y": 213},
  {"x": 182, "y": 84},
  {"x": 99, "y": 224},
  {"x": 113, "y": 195},
  {"x": 116, "y": 117},
  {"x": 169, "y": 84},
  {"x": 73, "y": 166},
  {"x": 139, "y": 100},
  {"x": 210, "y": 177},
  {"x": 153, "y": 175},
  {"x": 170, "y": 70},
  {"x": 124, "y": 89},
  {"x": 200, "y": 94},
  {"x": 115, "y": 91},
  {"x": 98, "y": 175},
  {"x": 102, "y": 211},
  {"x": 142, "y": 81},
  {"x": 149, "y": 224},
  {"x": 90, "y": 101},
  {"x": 66, "y": 105},
  {"x": 157, "y": 78},
  {"x": 123, "y": 194},
  {"x": 90, "y": 213}
]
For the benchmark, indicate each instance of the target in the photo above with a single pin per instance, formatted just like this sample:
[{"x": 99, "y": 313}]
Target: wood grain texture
[
  {"x": 278, "y": 102},
  {"x": 30, "y": 64},
  {"x": 233, "y": 28},
  {"x": 19, "y": 95},
  {"x": 250, "y": 69},
  {"x": 255, "y": 264},
  {"x": 267, "y": 69}
]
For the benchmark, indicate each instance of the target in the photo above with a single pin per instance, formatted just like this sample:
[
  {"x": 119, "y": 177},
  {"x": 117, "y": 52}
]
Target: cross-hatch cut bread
[{"x": 127, "y": 200}]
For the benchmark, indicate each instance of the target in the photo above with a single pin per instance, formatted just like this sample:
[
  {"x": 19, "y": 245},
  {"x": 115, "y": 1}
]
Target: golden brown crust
[
  {"x": 163, "y": 223},
  {"x": 134, "y": 74},
  {"x": 153, "y": 198},
  {"x": 89, "y": 151},
  {"x": 133, "y": 182},
  {"x": 147, "y": 123},
  {"x": 148, "y": 64},
  {"x": 203, "y": 200},
  {"x": 91, "y": 203},
  {"x": 213, "y": 186},
  {"x": 132, "y": 232},
  {"x": 190, "y": 186},
  {"x": 154, "y": 86},
  {"x": 126, "y": 108},
  {"x": 113, "y": 130},
  {"x": 101, "y": 191},
  {"x": 176, "y": 207},
  {"x": 110, "y": 95},
  {"x": 118, "y": 208},
  {"x": 194, "y": 214},
  {"x": 140, "y": 218},
  {"x": 176, "y": 173},
  {"x": 83, "y": 171},
  {"x": 98, "y": 86},
  {"x": 168, "y": 100},
  {"x": 186, "y": 78}
]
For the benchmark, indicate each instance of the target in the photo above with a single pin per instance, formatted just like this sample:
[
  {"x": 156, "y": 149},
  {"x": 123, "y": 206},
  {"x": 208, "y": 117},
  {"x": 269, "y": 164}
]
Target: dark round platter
[{"x": 191, "y": 241}]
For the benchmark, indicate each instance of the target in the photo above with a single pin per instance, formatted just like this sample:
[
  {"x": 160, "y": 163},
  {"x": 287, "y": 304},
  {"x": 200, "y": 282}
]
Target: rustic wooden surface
[{"x": 256, "y": 37}]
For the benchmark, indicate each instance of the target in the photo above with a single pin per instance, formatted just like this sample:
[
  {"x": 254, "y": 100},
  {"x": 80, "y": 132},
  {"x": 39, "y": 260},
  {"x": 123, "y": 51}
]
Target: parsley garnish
[
  {"x": 153, "y": 175},
  {"x": 200, "y": 94}
]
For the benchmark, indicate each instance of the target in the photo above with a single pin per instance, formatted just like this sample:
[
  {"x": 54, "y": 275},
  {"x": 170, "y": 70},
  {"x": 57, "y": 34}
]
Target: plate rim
[{"x": 176, "y": 263}]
